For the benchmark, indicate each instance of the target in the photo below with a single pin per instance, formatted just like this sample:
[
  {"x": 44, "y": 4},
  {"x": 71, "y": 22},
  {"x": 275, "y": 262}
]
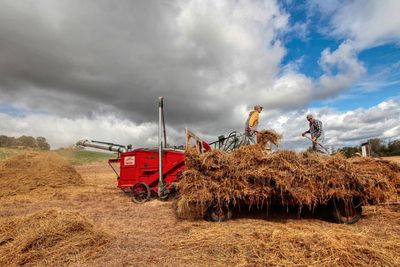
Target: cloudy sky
[{"x": 95, "y": 69}]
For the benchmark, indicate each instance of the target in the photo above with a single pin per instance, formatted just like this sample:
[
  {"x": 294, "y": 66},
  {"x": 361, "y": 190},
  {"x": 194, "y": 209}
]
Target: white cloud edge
[{"x": 342, "y": 127}]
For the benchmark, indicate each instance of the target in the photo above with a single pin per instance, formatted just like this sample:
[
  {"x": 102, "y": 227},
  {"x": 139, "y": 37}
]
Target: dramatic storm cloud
[
  {"x": 199, "y": 55},
  {"x": 95, "y": 69}
]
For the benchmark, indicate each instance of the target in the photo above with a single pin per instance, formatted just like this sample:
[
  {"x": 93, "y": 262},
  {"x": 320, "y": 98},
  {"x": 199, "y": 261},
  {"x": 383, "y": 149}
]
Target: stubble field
[{"x": 126, "y": 234}]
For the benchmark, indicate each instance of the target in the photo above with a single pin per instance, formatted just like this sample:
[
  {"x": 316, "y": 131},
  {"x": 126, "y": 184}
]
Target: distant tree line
[
  {"x": 378, "y": 148},
  {"x": 25, "y": 142}
]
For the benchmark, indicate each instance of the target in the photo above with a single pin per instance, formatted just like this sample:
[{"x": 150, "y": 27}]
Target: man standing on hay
[
  {"x": 249, "y": 136},
  {"x": 316, "y": 132}
]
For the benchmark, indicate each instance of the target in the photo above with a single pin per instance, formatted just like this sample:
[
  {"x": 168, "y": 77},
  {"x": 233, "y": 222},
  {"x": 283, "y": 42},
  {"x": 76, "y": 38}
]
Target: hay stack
[
  {"x": 51, "y": 237},
  {"x": 26, "y": 172},
  {"x": 249, "y": 242},
  {"x": 266, "y": 136},
  {"x": 248, "y": 175},
  {"x": 379, "y": 169}
]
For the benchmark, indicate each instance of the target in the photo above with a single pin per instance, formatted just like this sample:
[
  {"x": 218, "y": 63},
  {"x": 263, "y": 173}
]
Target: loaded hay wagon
[
  {"x": 211, "y": 182},
  {"x": 216, "y": 182}
]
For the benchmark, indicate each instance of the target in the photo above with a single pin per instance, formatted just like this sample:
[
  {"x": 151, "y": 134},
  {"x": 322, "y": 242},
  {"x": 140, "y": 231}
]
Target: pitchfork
[{"x": 326, "y": 150}]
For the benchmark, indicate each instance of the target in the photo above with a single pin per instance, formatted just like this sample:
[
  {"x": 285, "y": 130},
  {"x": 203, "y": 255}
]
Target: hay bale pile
[
  {"x": 26, "y": 172},
  {"x": 49, "y": 238},
  {"x": 248, "y": 175}
]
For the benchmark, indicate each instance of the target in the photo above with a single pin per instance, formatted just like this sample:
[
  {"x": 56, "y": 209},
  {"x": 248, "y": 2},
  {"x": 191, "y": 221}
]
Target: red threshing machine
[
  {"x": 139, "y": 172},
  {"x": 139, "y": 169}
]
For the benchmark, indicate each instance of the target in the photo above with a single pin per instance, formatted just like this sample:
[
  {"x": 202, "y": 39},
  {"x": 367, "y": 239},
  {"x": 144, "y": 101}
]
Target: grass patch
[
  {"x": 78, "y": 157},
  {"x": 75, "y": 157},
  {"x": 9, "y": 152}
]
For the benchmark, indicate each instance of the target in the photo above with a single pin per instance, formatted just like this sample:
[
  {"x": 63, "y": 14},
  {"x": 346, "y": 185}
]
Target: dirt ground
[{"x": 149, "y": 234}]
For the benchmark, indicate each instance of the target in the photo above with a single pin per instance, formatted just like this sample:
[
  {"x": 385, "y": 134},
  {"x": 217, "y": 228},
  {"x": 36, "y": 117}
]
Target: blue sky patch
[{"x": 381, "y": 80}]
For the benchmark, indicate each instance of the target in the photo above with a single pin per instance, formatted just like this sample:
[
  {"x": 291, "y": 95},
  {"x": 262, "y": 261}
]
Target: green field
[{"x": 75, "y": 157}]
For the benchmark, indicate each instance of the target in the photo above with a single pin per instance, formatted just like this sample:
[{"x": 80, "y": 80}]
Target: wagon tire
[
  {"x": 346, "y": 212},
  {"x": 219, "y": 214},
  {"x": 140, "y": 193}
]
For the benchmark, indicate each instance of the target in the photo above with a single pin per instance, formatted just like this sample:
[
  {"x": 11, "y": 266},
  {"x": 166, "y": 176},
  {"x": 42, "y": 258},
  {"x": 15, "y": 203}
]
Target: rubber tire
[
  {"x": 137, "y": 201},
  {"x": 212, "y": 214},
  {"x": 339, "y": 217}
]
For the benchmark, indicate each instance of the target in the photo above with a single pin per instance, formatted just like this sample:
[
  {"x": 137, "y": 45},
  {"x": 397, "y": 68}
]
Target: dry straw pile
[
  {"x": 266, "y": 136},
  {"x": 250, "y": 176},
  {"x": 26, "y": 172},
  {"x": 248, "y": 242},
  {"x": 52, "y": 237}
]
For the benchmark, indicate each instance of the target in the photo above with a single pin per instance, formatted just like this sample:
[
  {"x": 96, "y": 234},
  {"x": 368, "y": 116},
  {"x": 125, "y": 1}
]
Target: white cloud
[
  {"x": 341, "y": 127},
  {"x": 291, "y": 89},
  {"x": 342, "y": 70},
  {"x": 362, "y": 24},
  {"x": 367, "y": 23},
  {"x": 62, "y": 132}
]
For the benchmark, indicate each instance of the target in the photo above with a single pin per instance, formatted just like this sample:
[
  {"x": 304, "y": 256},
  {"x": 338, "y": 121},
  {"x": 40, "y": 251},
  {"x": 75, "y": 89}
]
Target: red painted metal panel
[{"x": 141, "y": 165}]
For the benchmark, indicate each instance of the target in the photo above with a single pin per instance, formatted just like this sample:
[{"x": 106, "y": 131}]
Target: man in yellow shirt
[{"x": 250, "y": 132}]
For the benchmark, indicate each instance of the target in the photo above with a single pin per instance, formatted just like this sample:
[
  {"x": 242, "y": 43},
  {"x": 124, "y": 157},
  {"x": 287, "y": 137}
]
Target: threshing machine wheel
[
  {"x": 140, "y": 192},
  {"x": 347, "y": 211},
  {"x": 219, "y": 213}
]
